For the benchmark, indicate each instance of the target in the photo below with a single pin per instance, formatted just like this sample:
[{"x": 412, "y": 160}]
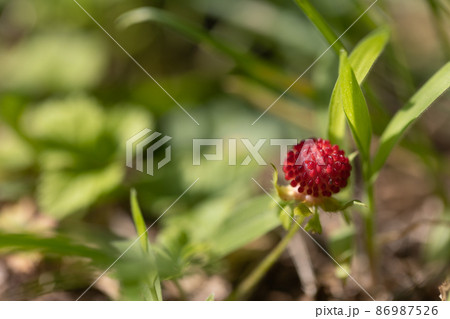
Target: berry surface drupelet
[{"x": 315, "y": 167}]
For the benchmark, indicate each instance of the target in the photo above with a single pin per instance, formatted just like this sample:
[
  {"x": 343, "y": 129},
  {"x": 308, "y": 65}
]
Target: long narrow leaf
[
  {"x": 320, "y": 23},
  {"x": 418, "y": 103},
  {"x": 254, "y": 67},
  {"x": 367, "y": 52},
  {"x": 355, "y": 107},
  {"x": 141, "y": 227},
  {"x": 361, "y": 60},
  {"x": 153, "y": 291},
  {"x": 56, "y": 245}
]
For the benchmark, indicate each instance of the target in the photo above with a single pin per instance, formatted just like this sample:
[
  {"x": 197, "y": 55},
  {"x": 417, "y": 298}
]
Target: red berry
[{"x": 317, "y": 168}]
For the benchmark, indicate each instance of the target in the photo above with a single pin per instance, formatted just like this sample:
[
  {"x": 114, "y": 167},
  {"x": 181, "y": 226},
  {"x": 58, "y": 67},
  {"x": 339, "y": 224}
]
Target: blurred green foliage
[{"x": 70, "y": 98}]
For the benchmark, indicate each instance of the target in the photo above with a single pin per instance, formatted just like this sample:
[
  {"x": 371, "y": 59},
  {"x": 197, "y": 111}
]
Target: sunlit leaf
[
  {"x": 74, "y": 123},
  {"x": 15, "y": 153},
  {"x": 365, "y": 54},
  {"x": 154, "y": 285},
  {"x": 54, "y": 60},
  {"x": 139, "y": 223},
  {"x": 355, "y": 107},
  {"x": 63, "y": 192},
  {"x": 406, "y": 116},
  {"x": 80, "y": 149},
  {"x": 125, "y": 120},
  {"x": 245, "y": 223},
  {"x": 361, "y": 60}
]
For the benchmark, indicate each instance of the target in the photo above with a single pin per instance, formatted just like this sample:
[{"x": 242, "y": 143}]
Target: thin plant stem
[
  {"x": 369, "y": 225},
  {"x": 249, "y": 283},
  {"x": 181, "y": 292}
]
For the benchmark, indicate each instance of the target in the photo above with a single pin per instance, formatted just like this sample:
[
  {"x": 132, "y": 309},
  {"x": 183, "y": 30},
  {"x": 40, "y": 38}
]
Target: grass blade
[
  {"x": 354, "y": 106},
  {"x": 418, "y": 103},
  {"x": 141, "y": 227},
  {"x": 153, "y": 280},
  {"x": 56, "y": 245},
  {"x": 361, "y": 60},
  {"x": 320, "y": 24},
  {"x": 254, "y": 67}
]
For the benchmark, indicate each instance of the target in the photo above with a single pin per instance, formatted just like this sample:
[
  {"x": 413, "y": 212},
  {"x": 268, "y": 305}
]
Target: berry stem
[
  {"x": 369, "y": 225},
  {"x": 247, "y": 286}
]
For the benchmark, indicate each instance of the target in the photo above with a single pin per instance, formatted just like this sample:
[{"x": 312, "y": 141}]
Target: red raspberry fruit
[{"x": 317, "y": 168}]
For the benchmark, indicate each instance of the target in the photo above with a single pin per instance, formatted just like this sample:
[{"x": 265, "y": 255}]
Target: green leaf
[
  {"x": 331, "y": 204},
  {"x": 302, "y": 211},
  {"x": 253, "y": 66},
  {"x": 321, "y": 24},
  {"x": 342, "y": 248},
  {"x": 80, "y": 149},
  {"x": 210, "y": 297},
  {"x": 438, "y": 244},
  {"x": 281, "y": 24},
  {"x": 336, "y": 117},
  {"x": 222, "y": 225},
  {"x": 176, "y": 254},
  {"x": 139, "y": 223},
  {"x": 279, "y": 189},
  {"x": 56, "y": 245},
  {"x": 406, "y": 116},
  {"x": 37, "y": 65},
  {"x": 154, "y": 284},
  {"x": 125, "y": 120},
  {"x": 367, "y": 52},
  {"x": 98, "y": 249},
  {"x": 314, "y": 224},
  {"x": 352, "y": 156},
  {"x": 286, "y": 216},
  {"x": 75, "y": 123},
  {"x": 355, "y": 107},
  {"x": 361, "y": 60},
  {"x": 245, "y": 223},
  {"x": 63, "y": 192},
  {"x": 15, "y": 153}
]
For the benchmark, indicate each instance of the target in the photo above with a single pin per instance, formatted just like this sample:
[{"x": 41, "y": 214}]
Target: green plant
[
  {"x": 69, "y": 100},
  {"x": 348, "y": 102}
]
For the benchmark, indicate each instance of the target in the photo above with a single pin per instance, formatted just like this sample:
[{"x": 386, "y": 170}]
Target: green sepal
[
  {"x": 302, "y": 211},
  {"x": 333, "y": 205},
  {"x": 283, "y": 192},
  {"x": 314, "y": 224},
  {"x": 286, "y": 216},
  {"x": 278, "y": 188}
]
